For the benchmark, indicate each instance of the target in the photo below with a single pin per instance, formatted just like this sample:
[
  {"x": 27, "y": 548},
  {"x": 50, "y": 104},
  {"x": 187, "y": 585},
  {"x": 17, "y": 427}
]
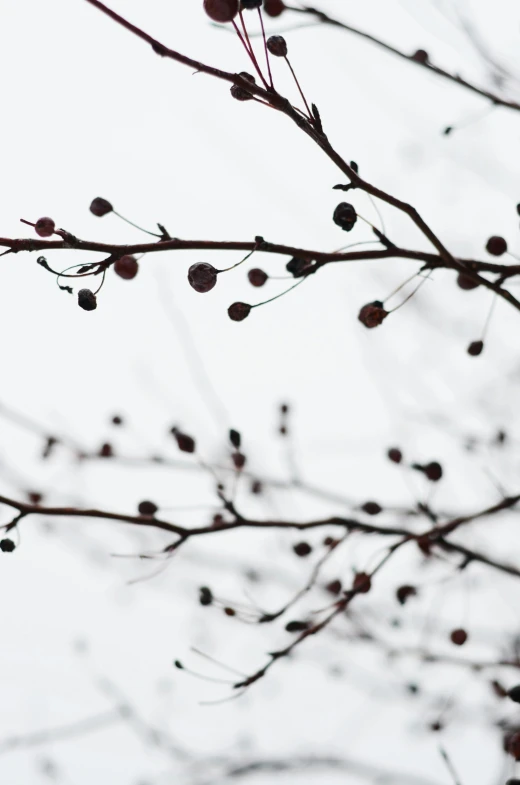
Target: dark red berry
[
  {"x": 273, "y": 7},
  {"x": 302, "y": 549},
  {"x": 106, "y": 451},
  {"x": 420, "y": 56},
  {"x": 475, "y": 348},
  {"x": 277, "y": 45},
  {"x": 284, "y": 408},
  {"x": 513, "y": 745},
  {"x": 362, "y": 583},
  {"x": 514, "y": 694},
  {"x": 117, "y": 420},
  {"x": 395, "y": 455},
  {"x": 297, "y": 626},
  {"x": 44, "y": 227},
  {"x": 229, "y": 612},
  {"x": 345, "y": 216},
  {"x": 436, "y": 726},
  {"x": 100, "y": 207},
  {"x": 372, "y": 314},
  {"x": 202, "y": 277},
  {"x": 205, "y": 595},
  {"x": 7, "y": 546},
  {"x": 185, "y": 443},
  {"x": 126, "y": 267},
  {"x": 465, "y": 282},
  {"x": 496, "y": 246},
  {"x": 334, "y": 587},
  {"x": 257, "y": 277},
  {"x": 239, "y": 460},
  {"x": 459, "y": 637},
  {"x": 371, "y": 508},
  {"x": 221, "y": 10},
  {"x": 404, "y": 592},
  {"x": 239, "y": 311},
  {"x": 147, "y": 508},
  {"x": 87, "y": 300},
  {"x": 432, "y": 470}
]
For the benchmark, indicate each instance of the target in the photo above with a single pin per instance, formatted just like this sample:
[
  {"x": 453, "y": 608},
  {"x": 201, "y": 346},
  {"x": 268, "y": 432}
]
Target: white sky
[{"x": 89, "y": 110}]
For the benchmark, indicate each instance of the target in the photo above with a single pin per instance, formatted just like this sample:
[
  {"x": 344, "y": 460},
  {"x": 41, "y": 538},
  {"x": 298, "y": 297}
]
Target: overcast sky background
[{"x": 89, "y": 110}]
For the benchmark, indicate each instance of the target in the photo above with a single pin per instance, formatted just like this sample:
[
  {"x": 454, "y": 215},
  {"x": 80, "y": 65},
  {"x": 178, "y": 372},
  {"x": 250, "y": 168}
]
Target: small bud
[
  {"x": 362, "y": 583},
  {"x": 229, "y": 612},
  {"x": 126, "y": 267},
  {"x": 371, "y": 508},
  {"x": 44, "y": 227},
  {"x": 221, "y": 10},
  {"x": 100, "y": 207},
  {"x": 240, "y": 94},
  {"x": 147, "y": 508},
  {"x": 302, "y": 549},
  {"x": 106, "y": 451},
  {"x": 496, "y": 246},
  {"x": 465, "y": 282},
  {"x": 87, "y": 300},
  {"x": 202, "y": 277},
  {"x": 459, "y": 637},
  {"x": 34, "y": 497},
  {"x": 277, "y": 45},
  {"x": 239, "y": 311},
  {"x": 296, "y": 265},
  {"x": 498, "y": 689},
  {"x": 205, "y": 595},
  {"x": 273, "y": 7},
  {"x": 334, "y": 587},
  {"x": 420, "y": 56},
  {"x": 345, "y": 216},
  {"x": 475, "y": 348},
  {"x": 297, "y": 626},
  {"x": 372, "y": 314},
  {"x": 257, "y": 277},
  {"x": 404, "y": 592},
  {"x": 395, "y": 455},
  {"x": 7, "y": 546}
]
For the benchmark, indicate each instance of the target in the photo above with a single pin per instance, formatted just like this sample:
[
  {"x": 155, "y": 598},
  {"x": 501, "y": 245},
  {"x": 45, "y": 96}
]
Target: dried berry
[
  {"x": 514, "y": 693},
  {"x": 297, "y": 626},
  {"x": 273, "y": 7},
  {"x": 117, "y": 420},
  {"x": 239, "y": 311},
  {"x": 100, "y": 207},
  {"x": 334, "y": 587},
  {"x": 277, "y": 45},
  {"x": 240, "y": 94},
  {"x": 465, "y": 282},
  {"x": 202, "y": 277},
  {"x": 257, "y": 277},
  {"x": 205, "y": 595},
  {"x": 44, "y": 227},
  {"x": 475, "y": 348},
  {"x": 126, "y": 267},
  {"x": 432, "y": 470},
  {"x": 234, "y": 438},
  {"x": 87, "y": 300},
  {"x": 395, "y": 455},
  {"x": 345, "y": 216},
  {"x": 185, "y": 443},
  {"x": 362, "y": 583},
  {"x": 372, "y": 314},
  {"x": 147, "y": 508},
  {"x": 302, "y": 549},
  {"x": 7, "y": 545},
  {"x": 106, "y": 451},
  {"x": 371, "y": 508},
  {"x": 221, "y": 10},
  {"x": 459, "y": 637},
  {"x": 420, "y": 56},
  {"x": 404, "y": 592},
  {"x": 496, "y": 246}
]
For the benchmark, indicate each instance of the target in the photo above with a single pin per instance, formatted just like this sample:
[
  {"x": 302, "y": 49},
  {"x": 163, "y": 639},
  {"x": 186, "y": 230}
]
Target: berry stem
[
  {"x": 271, "y": 299},
  {"x": 226, "y": 269},
  {"x": 298, "y": 86},
  {"x": 248, "y": 47},
  {"x": 265, "y": 47},
  {"x": 126, "y": 220}
]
